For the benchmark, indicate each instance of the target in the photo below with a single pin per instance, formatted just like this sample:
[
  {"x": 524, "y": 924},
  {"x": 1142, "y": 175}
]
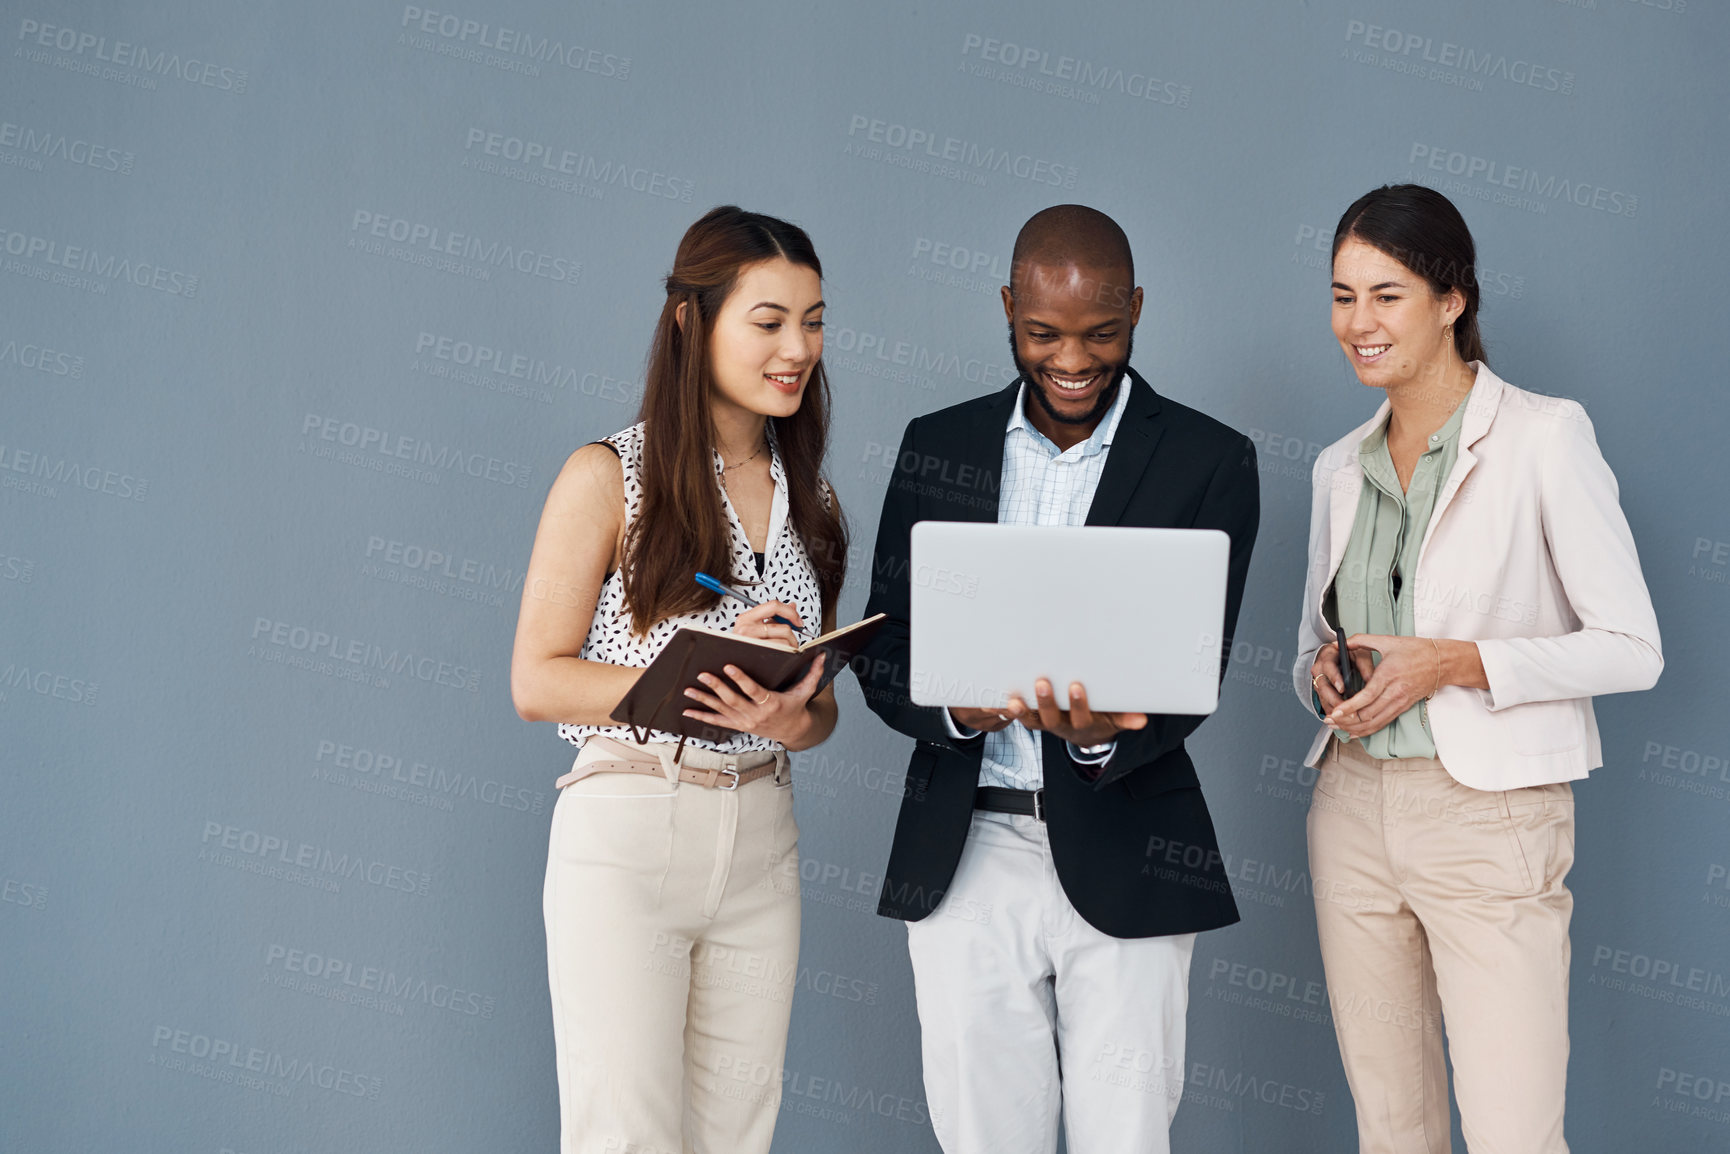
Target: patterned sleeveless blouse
[{"x": 787, "y": 576}]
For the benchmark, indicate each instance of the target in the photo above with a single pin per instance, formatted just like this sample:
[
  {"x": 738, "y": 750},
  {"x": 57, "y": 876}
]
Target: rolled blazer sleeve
[{"x": 1616, "y": 649}]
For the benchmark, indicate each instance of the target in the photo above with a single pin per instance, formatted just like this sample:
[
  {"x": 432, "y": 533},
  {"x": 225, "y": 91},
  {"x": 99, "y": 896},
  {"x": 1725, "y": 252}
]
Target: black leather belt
[{"x": 1026, "y": 802}]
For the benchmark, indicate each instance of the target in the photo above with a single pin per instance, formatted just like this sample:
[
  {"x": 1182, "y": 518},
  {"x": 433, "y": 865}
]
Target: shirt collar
[
  {"x": 1097, "y": 442},
  {"x": 1377, "y": 439}
]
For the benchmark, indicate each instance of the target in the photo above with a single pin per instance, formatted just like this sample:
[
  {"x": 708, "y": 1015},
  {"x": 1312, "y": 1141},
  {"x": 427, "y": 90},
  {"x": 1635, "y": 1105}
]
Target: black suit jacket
[{"x": 1134, "y": 847}]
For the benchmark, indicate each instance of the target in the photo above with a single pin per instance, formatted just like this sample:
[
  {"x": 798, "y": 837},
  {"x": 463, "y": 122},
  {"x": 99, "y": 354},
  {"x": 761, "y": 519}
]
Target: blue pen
[
  {"x": 715, "y": 586},
  {"x": 727, "y": 590}
]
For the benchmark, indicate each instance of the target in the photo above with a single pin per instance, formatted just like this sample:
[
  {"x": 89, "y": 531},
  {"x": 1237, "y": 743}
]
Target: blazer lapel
[
  {"x": 977, "y": 466},
  {"x": 1343, "y": 494},
  {"x": 1345, "y": 485},
  {"x": 1481, "y": 409},
  {"x": 1138, "y": 433}
]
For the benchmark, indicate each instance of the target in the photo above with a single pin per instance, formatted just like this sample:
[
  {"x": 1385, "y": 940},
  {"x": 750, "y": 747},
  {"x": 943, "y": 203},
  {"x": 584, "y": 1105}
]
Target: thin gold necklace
[{"x": 726, "y": 468}]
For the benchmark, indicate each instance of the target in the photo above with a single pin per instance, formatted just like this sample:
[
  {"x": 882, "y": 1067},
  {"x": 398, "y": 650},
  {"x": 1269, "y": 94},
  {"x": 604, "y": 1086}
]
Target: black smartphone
[{"x": 1354, "y": 681}]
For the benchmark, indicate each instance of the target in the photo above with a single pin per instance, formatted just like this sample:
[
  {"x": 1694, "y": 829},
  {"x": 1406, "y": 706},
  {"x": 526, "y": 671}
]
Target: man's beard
[{"x": 1103, "y": 402}]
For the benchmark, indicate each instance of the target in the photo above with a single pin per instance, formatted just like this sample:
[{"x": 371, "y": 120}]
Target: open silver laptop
[{"x": 1133, "y": 614}]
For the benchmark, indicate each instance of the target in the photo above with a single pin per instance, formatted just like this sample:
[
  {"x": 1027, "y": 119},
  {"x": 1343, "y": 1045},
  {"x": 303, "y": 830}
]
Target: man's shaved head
[
  {"x": 1072, "y": 307},
  {"x": 1072, "y": 234}
]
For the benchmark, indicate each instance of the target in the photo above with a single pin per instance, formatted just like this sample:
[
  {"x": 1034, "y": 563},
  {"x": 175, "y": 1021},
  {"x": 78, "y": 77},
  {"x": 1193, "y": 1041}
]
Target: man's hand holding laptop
[{"x": 1078, "y": 724}]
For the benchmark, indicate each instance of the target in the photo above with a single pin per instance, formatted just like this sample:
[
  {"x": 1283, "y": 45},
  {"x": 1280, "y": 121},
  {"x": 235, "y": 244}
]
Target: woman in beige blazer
[{"x": 1468, "y": 543}]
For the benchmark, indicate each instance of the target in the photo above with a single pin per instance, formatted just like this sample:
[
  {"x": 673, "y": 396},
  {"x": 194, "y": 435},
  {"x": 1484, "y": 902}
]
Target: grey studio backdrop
[{"x": 304, "y": 305}]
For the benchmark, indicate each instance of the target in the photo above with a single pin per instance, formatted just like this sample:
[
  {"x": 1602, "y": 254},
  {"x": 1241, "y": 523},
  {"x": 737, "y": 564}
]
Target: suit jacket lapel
[
  {"x": 1132, "y": 447},
  {"x": 978, "y": 462}
]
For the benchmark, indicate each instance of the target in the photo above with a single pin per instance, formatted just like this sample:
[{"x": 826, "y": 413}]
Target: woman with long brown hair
[{"x": 672, "y": 885}]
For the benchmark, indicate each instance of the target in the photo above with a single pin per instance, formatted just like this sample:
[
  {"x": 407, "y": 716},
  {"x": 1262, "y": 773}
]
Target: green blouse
[{"x": 1372, "y": 592}]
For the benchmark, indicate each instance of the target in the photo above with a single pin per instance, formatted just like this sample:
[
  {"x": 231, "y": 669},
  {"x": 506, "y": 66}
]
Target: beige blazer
[{"x": 1527, "y": 554}]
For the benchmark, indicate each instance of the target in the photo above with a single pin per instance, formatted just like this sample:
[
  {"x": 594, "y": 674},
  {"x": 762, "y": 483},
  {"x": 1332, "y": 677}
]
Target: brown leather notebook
[{"x": 658, "y": 701}]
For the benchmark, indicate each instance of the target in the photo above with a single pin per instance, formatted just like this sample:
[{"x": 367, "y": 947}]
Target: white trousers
[
  {"x": 1013, "y": 986},
  {"x": 672, "y": 914}
]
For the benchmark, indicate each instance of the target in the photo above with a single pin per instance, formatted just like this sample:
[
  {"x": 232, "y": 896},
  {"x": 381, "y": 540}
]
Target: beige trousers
[
  {"x": 1438, "y": 901},
  {"x": 672, "y": 915}
]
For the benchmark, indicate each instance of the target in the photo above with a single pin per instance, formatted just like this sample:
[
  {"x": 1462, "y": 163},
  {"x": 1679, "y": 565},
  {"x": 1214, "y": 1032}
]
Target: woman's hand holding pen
[
  {"x": 767, "y": 621},
  {"x": 759, "y": 615}
]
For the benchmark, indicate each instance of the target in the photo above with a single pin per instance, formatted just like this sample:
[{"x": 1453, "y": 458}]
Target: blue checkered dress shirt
[{"x": 1042, "y": 486}]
